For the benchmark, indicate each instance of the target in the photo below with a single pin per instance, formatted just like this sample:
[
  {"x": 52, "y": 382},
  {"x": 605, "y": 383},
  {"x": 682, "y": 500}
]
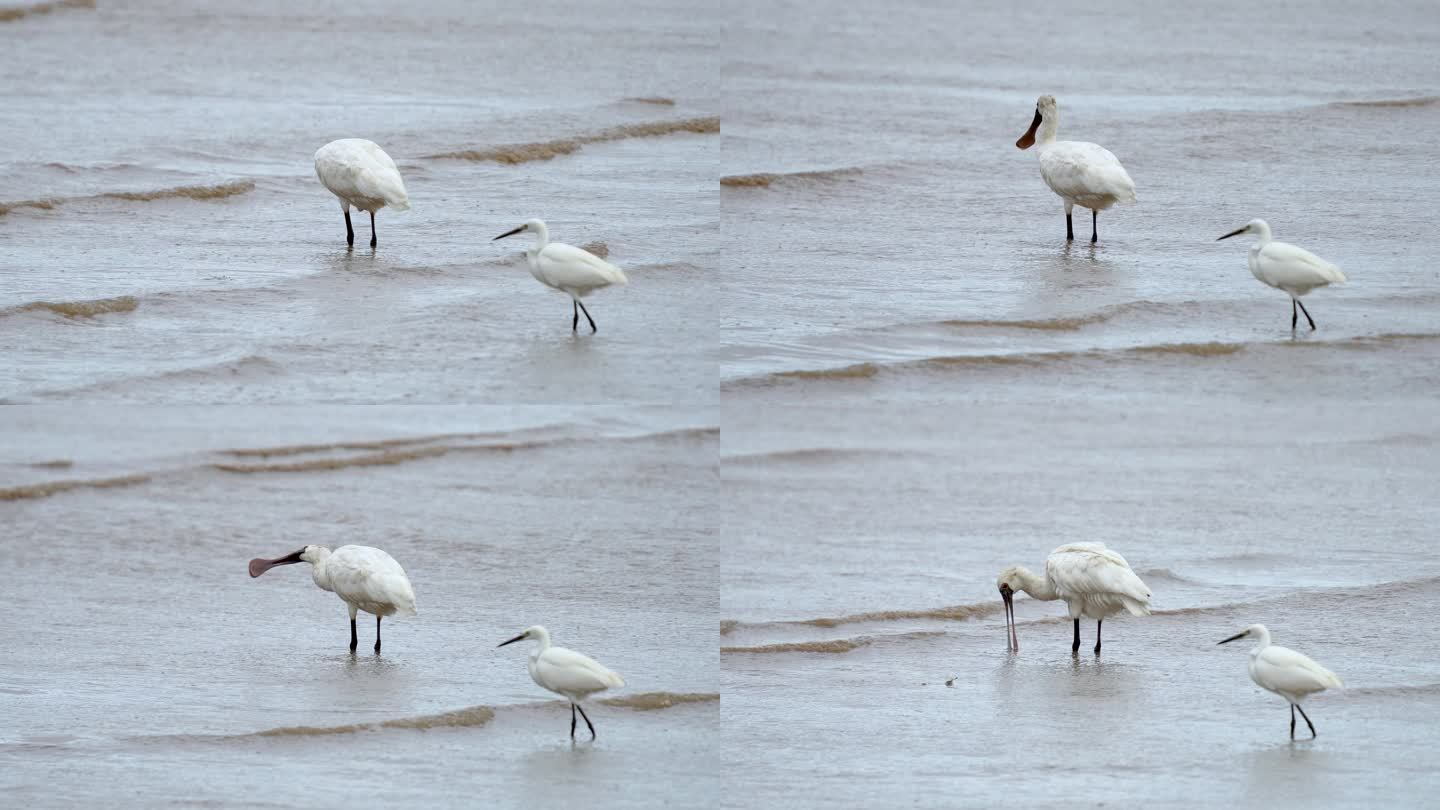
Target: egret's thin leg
[
  {"x": 575, "y": 310},
  {"x": 349, "y": 231},
  {"x": 1307, "y": 722},
  {"x": 354, "y": 640},
  {"x": 373, "y": 241},
  {"x": 1098, "y": 622},
  {"x": 1312, "y": 329},
  {"x": 572, "y": 721},
  {"x": 592, "y": 728},
  {"x": 593, "y": 330},
  {"x": 1076, "y": 646},
  {"x": 1094, "y": 226},
  {"x": 1292, "y": 721},
  {"x": 1294, "y": 315},
  {"x": 377, "y": 635},
  {"x": 1069, "y": 228}
]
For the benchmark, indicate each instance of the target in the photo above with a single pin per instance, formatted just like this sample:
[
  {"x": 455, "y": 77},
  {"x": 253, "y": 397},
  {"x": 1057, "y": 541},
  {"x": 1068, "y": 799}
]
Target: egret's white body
[
  {"x": 363, "y": 176},
  {"x": 567, "y": 673},
  {"x": 1286, "y": 267},
  {"x": 1094, "y": 581},
  {"x": 364, "y": 578},
  {"x": 569, "y": 269},
  {"x": 1080, "y": 173},
  {"x": 1285, "y": 672}
]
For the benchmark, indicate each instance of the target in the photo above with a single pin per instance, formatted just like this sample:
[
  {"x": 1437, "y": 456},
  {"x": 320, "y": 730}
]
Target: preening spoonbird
[
  {"x": 364, "y": 578},
  {"x": 566, "y": 268},
  {"x": 1094, "y": 581},
  {"x": 360, "y": 174},
  {"x": 1285, "y": 267},
  {"x": 1081, "y": 173},
  {"x": 1285, "y": 672},
  {"x": 567, "y": 673}
]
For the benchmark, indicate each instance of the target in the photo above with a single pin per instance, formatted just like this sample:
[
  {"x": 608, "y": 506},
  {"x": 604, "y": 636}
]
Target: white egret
[
  {"x": 1094, "y": 581},
  {"x": 361, "y": 175},
  {"x": 567, "y": 673},
  {"x": 1285, "y": 672},
  {"x": 1286, "y": 267},
  {"x": 1081, "y": 173},
  {"x": 364, "y": 578},
  {"x": 566, "y": 268}
]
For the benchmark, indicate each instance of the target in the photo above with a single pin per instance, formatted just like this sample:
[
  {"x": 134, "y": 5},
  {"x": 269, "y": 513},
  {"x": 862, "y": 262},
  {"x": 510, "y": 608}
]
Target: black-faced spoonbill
[
  {"x": 1286, "y": 267},
  {"x": 364, "y": 578},
  {"x": 1080, "y": 173},
  {"x": 1094, "y": 581},
  {"x": 567, "y": 673},
  {"x": 566, "y": 268},
  {"x": 1285, "y": 672},
  {"x": 361, "y": 175}
]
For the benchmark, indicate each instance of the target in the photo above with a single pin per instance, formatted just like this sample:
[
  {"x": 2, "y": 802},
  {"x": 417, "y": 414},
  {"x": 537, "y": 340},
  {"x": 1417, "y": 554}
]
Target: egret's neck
[
  {"x": 542, "y": 238},
  {"x": 543, "y": 637},
  {"x": 1048, "y": 125},
  {"x": 1262, "y": 640},
  {"x": 320, "y": 570},
  {"x": 1037, "y": 585},
  {"x": 1262, "y": 231}
]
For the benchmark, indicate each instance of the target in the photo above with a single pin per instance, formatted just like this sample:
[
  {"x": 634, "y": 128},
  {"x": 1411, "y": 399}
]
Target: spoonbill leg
[
  {"x": 372, "y": 229},
  {"x": 349, "y": 231},
  {"x": 592, "y": 728},
  {"x": 593, "y": 330},
  {"x": 572, "y": 722},
  {"x": 575, "y": 322},
  {"x": 1069, "y": 225},
  {"x": 1313, "y": 735},
  {"x": 1312, "y": 329},
  {"x": 1097, "y": 635},
  {"x": 1094, "y": 226},
  {"x": 354, "y": 639},
  {"x": 1076, "y": 646}
]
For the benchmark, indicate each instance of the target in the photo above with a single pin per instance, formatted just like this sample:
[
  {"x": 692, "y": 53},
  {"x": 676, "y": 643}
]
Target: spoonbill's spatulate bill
[
  {"x": 1285, "y": 672},
  {"x": 361, "y": 175},
  {"x": 1094, "y": 581},
  {"x": 566, "y": 672},
  {"x": 1081, "y": 173},
  {"x": 1286, "y": 267},
  {"x": 364, "y": 578},
  {"x": 566, "y": 268}
]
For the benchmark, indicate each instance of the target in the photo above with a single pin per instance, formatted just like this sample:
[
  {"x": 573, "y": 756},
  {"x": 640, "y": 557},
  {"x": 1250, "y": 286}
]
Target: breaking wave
[
  {"x": 954, "y": 613},
  {"x": 512, "y": 154},
  {"x": 77, "y": 309},
  {"x": 659, "y": 101},
  {"x": 767, "y": 179},
  {"x": 1418, "y": 101},
  {"x": 49, "y": 488},
  {"x": 839, "y": 645},
  {"x": 20, "y": 12},
  {"x": 214, "y": 192},
  {"x": 46, "y": 205}
]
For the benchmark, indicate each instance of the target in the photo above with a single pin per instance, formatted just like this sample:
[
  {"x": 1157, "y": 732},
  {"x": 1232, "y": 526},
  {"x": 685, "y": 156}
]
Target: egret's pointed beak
[
  {"x": 1237, "y": 636},
  {"x": 508, "y": 233},
  {"x": 1028, "y": 139},
  {"x": 520, "y": 637},
  {"x": 259, "y": 566},
  {"x": 1227, "y": 236},
  {"x": 1008, "y": 596}
]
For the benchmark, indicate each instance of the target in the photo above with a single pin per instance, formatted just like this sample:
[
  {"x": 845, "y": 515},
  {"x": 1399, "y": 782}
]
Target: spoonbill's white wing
[
  {"x": 1283, "y": 670},
  {"x": 575, "y": 270},
  {"x": 372, "y": 580},
  {"x": 359, "y": 172},
  {"x": 1086, "y": 173},
  {"x": 1083, "y": 571},
  {"x": 1294, "y": 268},
  {"x": 569, "y": 672}
]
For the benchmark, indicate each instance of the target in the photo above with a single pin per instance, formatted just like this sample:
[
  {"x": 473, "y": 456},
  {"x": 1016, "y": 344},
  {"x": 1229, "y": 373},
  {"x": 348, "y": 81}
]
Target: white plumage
[
  {"x": 1285, "y": 672},
  {"x": 567, "y": 673},
  {"x": 364, "y": 578},
  {"x": 569, "y": 269},
  {"x": 1080, "y": 173},
  {"x": 1286, "y": 267},
  {"x": 1094, "y": 581},
  {"x": 363, "y": 176}
]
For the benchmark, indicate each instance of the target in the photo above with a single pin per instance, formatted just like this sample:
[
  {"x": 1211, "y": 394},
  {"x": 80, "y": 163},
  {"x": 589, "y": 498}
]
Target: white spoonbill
[
  {"x": 1286, "y": 267},
  {"x": 1285, "y": 672},
  {"x": 567, "y": 673},
  {"x": 566, "y": 268},
  {"x": 1081, "y": 173},
  {"x": 1094, "y": 581},
  {"x": 360, "y": 174},
  {"x": 364, "y": 578}
]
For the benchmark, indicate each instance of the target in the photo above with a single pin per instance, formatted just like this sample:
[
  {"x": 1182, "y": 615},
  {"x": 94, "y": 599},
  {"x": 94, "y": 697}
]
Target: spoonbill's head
[
  {"x": 1044, "y": 108},
  {"x": 1255, "y": 226},
  {"x": 1010, "y": 581},
  {"x": 530, "y": 226},
  {"x": 533, "y": 631},
  {"x": 310, "y": 554},
  {"x": 1253, "y": 631}
]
